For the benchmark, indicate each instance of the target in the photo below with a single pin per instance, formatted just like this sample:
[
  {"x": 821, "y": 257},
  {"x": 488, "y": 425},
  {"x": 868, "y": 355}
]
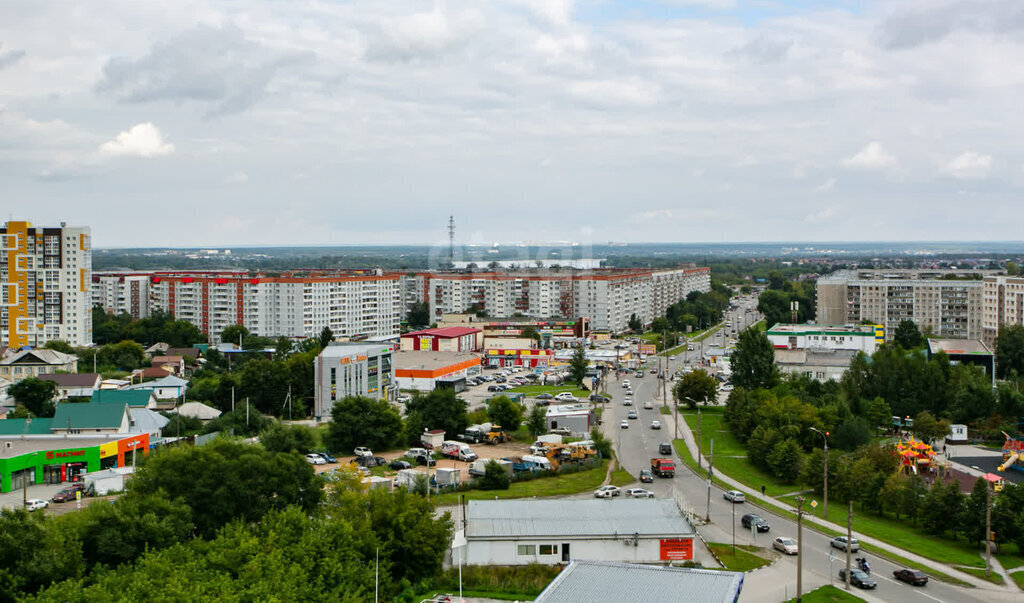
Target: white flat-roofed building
[
  {"x": 519, "y": 532},
  {"x": 343, "y": 370},
  {"x": 586, "y": 581},
  {"x": 861, "y": 338}
]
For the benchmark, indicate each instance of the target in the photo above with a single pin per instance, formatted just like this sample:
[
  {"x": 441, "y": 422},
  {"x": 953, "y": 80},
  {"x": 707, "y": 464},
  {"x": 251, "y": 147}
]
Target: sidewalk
[{"x": 755, "y": 496}]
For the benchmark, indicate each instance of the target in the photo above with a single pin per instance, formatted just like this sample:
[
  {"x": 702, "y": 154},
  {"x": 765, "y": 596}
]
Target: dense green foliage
[
  {"x": 159, "y": 326},
  {"x": 36, "y": 395},
  {"x": 578, "y": 366},
  {"x": 907, "y": 335},
  {"x": 776, "y": 302},
  {"x": 495, "y": 477},
  {"x": 1010, "y": 351},
  {"x": 418, "y": 314},
  {"x": 360, "y": 421},
  {"x": 536, "y": 422},
  {"x": 753, "y": 361},
  {"x": 288, "y": 438},
  {"x": 438, "y": 409},
  {"x": 503, "y": 411},
  {"x": 695, "y": 387}
]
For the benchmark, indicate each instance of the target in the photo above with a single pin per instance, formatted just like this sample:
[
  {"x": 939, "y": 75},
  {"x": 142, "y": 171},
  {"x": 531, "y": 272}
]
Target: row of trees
[
  {"x": 226, "y": 521},
  {"x": 157, "y": 327}
]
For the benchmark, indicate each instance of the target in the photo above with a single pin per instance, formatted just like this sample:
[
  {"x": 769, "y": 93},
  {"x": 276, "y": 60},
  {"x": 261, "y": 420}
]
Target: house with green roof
[
  {"x": 14, "y": 427},
  {"x": 135, "y": 398},
  {"x": 92, "y": 418}
]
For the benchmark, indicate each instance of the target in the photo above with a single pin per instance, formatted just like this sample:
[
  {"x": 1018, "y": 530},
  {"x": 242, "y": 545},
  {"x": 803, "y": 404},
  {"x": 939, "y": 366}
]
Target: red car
[
  {"x": 68, "y": 493},
  {"x": 911, "y": 576}
]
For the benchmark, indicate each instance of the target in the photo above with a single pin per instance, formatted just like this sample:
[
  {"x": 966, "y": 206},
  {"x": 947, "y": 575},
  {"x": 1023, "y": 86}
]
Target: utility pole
[
  {"x": 824, "y": 435},
  {"x": 699, "y": 440},
  {"x": 849, "y": 538},
  {"x": 734, "y": 528},
  {"x": 988, "y": 528},
  {"x": 800, "y": 548},
  {"x": 711, "y": 476},
  {"x": 451, "y": 239}
]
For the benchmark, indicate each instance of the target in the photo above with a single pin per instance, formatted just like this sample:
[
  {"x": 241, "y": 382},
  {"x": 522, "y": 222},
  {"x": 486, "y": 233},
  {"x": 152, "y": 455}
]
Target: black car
[
  {"x": 911, "y": 576},
  {"x": 544, "y": 396},
  {"x": 425, "y": 460},
  {"x": 858, "y": 578},
  {"x": 753, "y": 519},
  {"x": 399, "y": 465},
  {"x": 664, "y": 448},
  {"x": 495, "y": 388},
  {"x": 646, "y": 477}
]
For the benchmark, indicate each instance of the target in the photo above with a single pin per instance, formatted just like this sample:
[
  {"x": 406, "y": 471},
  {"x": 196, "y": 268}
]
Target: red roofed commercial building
[{"x": 446, "y": 339}]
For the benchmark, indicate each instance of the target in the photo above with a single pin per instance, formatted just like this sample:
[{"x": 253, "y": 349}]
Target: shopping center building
[{"x": 42, "y": 458}]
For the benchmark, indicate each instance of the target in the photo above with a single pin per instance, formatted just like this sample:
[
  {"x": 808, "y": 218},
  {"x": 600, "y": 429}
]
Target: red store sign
[{"x": 60, "y": 455}]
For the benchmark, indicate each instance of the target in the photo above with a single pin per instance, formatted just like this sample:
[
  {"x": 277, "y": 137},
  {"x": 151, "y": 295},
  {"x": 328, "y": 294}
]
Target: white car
[
  {"x": 648, "y": 405},
  {"x": 362, "y": 451},
  {"x": 607, "y": 492},
  {"x": 403, "y": 398},
  {"x": 734, "y": 496},
  {"x": 726, "y": 387},
  {"x": 34, "y": 504},
  {"x": 315, "y": 459},
  {"x": 786, "y": 545},
  {"x": 639, "y": 493},
  {"x": 624, "y": 425},
  {"x": 655, "y": 424},
  {"x": 566, "y": 397},
  {"x": 625, "y": 384}
]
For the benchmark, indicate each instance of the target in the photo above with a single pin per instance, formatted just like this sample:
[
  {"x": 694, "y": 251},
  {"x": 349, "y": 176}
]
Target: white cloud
[
  {"x": 142, "y": 140},
  {"x": 871, "y": 157},
  {"x": 237, "y": 178},
  {"x": 822, "y": 216},
  {"x": 969, "y": 165},
  {"x": 825, "y": 186}
]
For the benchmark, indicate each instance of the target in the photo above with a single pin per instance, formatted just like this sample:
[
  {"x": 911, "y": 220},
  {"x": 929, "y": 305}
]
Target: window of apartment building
[
  {"x": 526, "y": 549},
  {"x": 549, "y": 549}
]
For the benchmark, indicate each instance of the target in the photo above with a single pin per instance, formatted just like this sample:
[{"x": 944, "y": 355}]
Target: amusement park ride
[{"x": 1013, "y": 454}]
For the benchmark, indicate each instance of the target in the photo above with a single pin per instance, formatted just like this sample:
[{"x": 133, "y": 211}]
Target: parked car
[
  {"x": 664, "y": 448},
  {"x": 726, "y": 387},
  {"x": 646, "y": 477},
  {"x": 639, "y": 493},
  {"x": 654, "y": 371},
  {"x": 648, "y": 405},
  {"x": 539, "y": 448},
  {"x": 839, "y": 542},
  {"x": 755, "y": 520},
  {"x": 607, "y": 492},
  {"x": 858, "y": 578},
  {"x": 542, "y": 403},
  {"x": 562, "y": 431},
  {"x": 68, "y": 493},
  {"x": 566, "y": 397},
  {"x": 403, "y": 398},
  {"x": 734, "y": 496},
  {"x": 911, "y": 576},
  {"x": 495, "y": 388},
  {"x": 786, "y": 545},
  {"x": 315, "y": 459},
  {"x": 624, "y": 425},
  {"x": 415, "y": 452},
  {"x": 327, "y": 457},
  {"x": 378, "y": 461},
  {"x": 425, "y": 459},
  {"x": 363, "y": 451},
  {"x": 34, "y": 504},
  {"x": 397, "y": 465},
  {"x": 655, "y": 424},
  {"x": 543, "y": 396}
]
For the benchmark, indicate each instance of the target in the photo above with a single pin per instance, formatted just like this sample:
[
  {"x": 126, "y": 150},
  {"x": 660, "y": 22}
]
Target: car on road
[
  {"x": 625, "y": 384},
  {"x": 403, "y": 398},
  {"x": 566, "y": 397},
  {"x": 544, "y": 396},
  {"x": 627, "y": 401},
  {"x": 655, "y": 424},
  {"x": 839, "y": 542},
  {"x": 397, "y": 465},
  {"x": 624, "y": 425},
  {"x": 786, "y": 545},
  {"x": 315, "y": 459},
  {"x": 858, "y": 578},
  {"x": 646, "y": 477},
  {"x": 648, "y": 405},
  {"x": 68, "y": 493},
  {"x": 34, "y": 504},
  {"x": 629, "y": 392},
  {"x": 664, "y": 448},
  {"x": 607, "y": 492},
  {"x": 755, "y": 520},
  {"x": 654, "y": 371},
  {"x": 362, "y": 451},
  {"x": 734, "y": 496},
  {"x": 639, "y": 493},
  {"x": 639, "y": 375},
  {"x": 632, "y": 414},
  {"x": 911, "y": 576},
  {"x": 726, "y": 387}
]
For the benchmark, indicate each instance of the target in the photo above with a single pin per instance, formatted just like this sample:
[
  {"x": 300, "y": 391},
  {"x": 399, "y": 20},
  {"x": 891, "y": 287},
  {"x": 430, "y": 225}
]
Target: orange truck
[{"x": 663, "y": 467}]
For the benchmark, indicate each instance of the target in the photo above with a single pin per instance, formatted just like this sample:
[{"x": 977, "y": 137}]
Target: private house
[
  {"x": 74, "y": 385},
  {"x": 91, "y": 419},
  {"x": 166, "y": 388},
  {"x": 140, "y": 398},
  {"x": 18, "y": 365},
  {"x": 172, "y": 364}
]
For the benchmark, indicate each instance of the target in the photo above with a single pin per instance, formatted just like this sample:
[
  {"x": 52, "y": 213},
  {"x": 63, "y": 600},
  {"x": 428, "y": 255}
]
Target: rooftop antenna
[{"x": 451, "y": 239}]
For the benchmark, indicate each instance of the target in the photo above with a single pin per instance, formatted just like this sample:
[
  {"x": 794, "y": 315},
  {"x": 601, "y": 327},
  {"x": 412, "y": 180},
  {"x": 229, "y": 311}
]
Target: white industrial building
[
  {"x": 343, "y": 370},
  {"x": 822, "y": 352},
  {"x": 577, "y": 417},
  {"x": 588, "y": 581},
  {"x": 519, "y": 532}
]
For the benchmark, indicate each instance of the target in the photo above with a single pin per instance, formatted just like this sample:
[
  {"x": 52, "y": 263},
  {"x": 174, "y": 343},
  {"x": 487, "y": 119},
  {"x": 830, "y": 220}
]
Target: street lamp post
[{"x": 824, "y": 435}]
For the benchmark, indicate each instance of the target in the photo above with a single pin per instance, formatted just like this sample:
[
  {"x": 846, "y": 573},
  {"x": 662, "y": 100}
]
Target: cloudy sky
[{"x": 199, "y": 122}]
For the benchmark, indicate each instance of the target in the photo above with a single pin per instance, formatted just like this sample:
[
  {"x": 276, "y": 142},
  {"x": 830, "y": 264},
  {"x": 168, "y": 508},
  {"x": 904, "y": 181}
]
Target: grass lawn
[
  {"x": 1018, "y": 577},
  {"x": 743, "y": 560},
  {"x": 570, "y": 483},
  {"x": 621, "y": 477},
  {"x": 1009, "y": 560},
  {"x": 665, "y": 410},
  {"x": 994, "y": 578},
  {"x": 904, "y": 535},
  {"x": 533, "y": 390},
  {"x": 827, "y": 594}
]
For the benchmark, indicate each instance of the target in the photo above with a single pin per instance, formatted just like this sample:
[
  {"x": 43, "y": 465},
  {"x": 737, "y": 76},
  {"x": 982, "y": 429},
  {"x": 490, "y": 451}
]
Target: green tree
[
  {"x": 125, "y": 530},
  {"x": 775, "y": 307},
  {"x": 179, "y": 425},
  {"x": 601, "y": 443},
  {"x": 326, "y": 337},
  {"x": 695, "y": 387},
  {"x": 245, "y": 421},
  {"x": 972, "y": 520},
  {"x": 907, "y": 335},
  {"x": 786, "y": 460},
  {"x": 851, "y": 433},
  {"x": 360, "y": 421},
  {"x": 59, "y": 345},
  {"x": 279, "y": 437},
  {"x": 438, "y": 409},
  {"x": 1011, "y": 268},
  {"x": 419, "y": 314},
  {"x": 234, "y": 333},
  {"x": 226, "y": 480},
  {"x": 505, "y": 412},
  {"x": 635, "y": 324},
  {"x": 878, "y": 413},
  {"x": 928, "y": 429},
  {"x": 776, "y": 280},
  {"x": 660, "y": 325},
  {"x": 578, "y": 366},
  {"x": 1010, "y": 351},
  {"x": 537, "y": 422},
  {"x": 283, "y": 348},
  {"x": 36, "y": 394},
  {"x": 753, "y": 361},
  {"x": 529, "y": 332},
  {"x": 494, "y": 477}
]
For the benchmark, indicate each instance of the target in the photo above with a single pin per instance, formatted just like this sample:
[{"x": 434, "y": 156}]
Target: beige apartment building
[
  {"x": 1002, "y": 304},
  {"x": 948, "y": 303}
]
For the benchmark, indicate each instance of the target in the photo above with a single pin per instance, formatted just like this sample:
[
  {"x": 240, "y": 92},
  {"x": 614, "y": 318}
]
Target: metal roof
[
  {"x": 601, "y": 518},
  {"x": 958, "y": 347},
  {"x": 587, "y": 581}
]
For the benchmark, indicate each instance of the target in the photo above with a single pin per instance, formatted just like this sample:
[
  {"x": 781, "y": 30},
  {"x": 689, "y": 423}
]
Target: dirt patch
[{"x": 484, "y": 451}]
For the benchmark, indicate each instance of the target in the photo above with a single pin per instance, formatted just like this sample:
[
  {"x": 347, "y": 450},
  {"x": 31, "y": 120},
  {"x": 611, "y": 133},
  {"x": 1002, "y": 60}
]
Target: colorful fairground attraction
[
  {"x": 915, "y": 456},
  {"x": 1013, "y": 451}
]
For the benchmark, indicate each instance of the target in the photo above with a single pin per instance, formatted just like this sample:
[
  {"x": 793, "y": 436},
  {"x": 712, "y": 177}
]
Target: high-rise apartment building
[
  {"x": 1002, "y": 299},
  {"x": 946, "y": 302},
  {"x": 44, "y": 285},
  {"x": 350, "y": 303}
]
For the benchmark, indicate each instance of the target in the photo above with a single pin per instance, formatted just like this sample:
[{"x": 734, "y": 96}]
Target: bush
[{"x": 494, "y": 477}]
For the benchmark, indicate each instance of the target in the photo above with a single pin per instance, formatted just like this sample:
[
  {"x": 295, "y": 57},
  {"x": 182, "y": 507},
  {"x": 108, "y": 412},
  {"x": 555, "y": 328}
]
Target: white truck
[
  {"x": 479, "y": 466},
  {"x": 458, "y": 450}
]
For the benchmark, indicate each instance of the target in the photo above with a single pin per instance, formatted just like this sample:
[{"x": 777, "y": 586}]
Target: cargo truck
[{"x": 663, "y": 467}]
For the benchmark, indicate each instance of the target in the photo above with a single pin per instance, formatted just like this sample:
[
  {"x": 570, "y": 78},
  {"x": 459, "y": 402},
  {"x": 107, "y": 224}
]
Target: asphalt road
[{"x": 821, "y": 563}]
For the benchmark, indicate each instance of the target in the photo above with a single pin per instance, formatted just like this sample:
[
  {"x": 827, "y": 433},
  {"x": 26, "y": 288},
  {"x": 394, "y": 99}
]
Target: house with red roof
[{"x": 445, "y": 339}]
